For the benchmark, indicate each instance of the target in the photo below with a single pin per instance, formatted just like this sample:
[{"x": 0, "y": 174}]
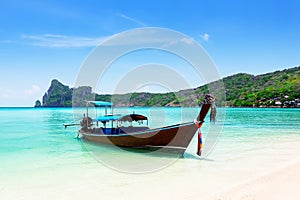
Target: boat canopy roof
[
  {"x": 133, "y": 117},
  {"x": 100, "y": 103},
  {"x": 107, "y": 118},
  {"x": 129, "y": 118}
]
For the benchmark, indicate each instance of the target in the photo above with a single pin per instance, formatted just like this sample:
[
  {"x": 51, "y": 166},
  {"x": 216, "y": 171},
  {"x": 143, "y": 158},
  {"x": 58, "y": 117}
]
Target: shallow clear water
[{"x": 34, "y": 139}]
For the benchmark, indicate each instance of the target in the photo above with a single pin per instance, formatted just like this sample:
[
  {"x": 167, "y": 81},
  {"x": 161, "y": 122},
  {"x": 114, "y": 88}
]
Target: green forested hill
[
  {"x": 266, "y": 89},
  {"x": 280, "y": 88}
]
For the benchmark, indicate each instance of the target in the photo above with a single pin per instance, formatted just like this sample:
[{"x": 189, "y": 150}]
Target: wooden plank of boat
[{"x": 178, "y": 135}]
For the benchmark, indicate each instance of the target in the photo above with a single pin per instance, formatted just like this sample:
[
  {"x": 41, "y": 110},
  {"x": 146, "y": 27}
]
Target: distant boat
[{"x": 136, "y": 134}]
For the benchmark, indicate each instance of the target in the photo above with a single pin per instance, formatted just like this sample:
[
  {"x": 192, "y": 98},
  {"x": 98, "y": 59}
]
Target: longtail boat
[{"x": 112, "y": 131}]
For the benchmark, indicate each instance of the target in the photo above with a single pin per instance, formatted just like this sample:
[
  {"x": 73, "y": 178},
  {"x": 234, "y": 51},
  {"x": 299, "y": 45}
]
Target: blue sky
[{"x": 42, "y": 40}]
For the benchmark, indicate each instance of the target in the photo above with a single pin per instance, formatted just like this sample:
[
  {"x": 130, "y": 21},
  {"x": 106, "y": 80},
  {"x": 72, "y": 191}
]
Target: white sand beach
[
  {"x": 260, "y": 173},
  {"x": 281, "y": 184}
]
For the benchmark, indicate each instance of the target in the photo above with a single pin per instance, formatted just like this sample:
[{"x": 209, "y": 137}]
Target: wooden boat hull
[{"x": 175, "y": 136}]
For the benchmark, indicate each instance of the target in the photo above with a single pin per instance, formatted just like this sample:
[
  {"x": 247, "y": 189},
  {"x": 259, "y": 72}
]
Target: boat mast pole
[
  {"x": 87, "y": 110},
  {"x": 112, "y": 121},
  {"x": 87, "y": 115}
]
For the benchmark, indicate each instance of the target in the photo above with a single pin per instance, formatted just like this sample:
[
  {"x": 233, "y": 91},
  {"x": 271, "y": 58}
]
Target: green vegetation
[
  {"x": 280, "y": 88},
  {"x": 37, "y": 103},
  {"x": 80, "y": 95},
  {"x": 58, "y": 95},
  {"x": 272, "y": 89}
]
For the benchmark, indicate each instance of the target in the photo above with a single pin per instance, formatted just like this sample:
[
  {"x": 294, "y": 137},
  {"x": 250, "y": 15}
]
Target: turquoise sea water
[
  {"x": 40, "y": 131},
  {"x": 35, "y": 140}
]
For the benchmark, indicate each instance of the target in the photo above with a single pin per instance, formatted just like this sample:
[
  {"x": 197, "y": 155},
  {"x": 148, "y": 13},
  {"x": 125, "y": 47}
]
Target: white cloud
[
  {"x": 54, "y": 40},
  {"x": 132, "y": 19},
  {"x": 139, "y": 36},
  {"x": 33, "y": 90},
  {"x": 205, "y": 36}
]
